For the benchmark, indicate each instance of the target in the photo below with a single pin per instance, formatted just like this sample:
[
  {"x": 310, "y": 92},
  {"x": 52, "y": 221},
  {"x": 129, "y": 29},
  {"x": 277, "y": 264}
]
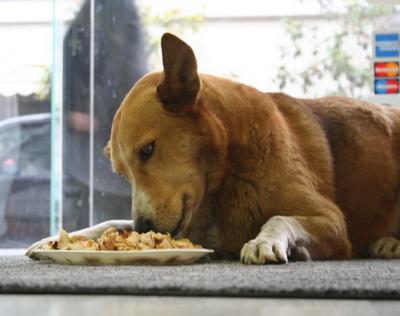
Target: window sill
[{"x": 12, "y": 252}]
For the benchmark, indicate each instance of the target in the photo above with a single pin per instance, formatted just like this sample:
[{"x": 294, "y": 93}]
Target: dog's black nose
[{"x": 143, "y": 225}]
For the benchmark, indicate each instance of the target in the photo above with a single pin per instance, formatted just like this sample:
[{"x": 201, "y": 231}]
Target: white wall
[{"x": 237, "y": 40}]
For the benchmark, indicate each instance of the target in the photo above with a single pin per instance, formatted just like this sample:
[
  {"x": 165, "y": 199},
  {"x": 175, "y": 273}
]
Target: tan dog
[{"x": 264, "y": 177}]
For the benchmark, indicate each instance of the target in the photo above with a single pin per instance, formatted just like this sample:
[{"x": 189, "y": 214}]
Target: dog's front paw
[
  {"x": 262, "y": 251},
  {"x": 30, "y": 252},
  {"x": 385, "y": 248}
]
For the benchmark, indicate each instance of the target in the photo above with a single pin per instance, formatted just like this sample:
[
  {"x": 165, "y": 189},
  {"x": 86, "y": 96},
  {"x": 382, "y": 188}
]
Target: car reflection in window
[{"x": 24, "y": 179}]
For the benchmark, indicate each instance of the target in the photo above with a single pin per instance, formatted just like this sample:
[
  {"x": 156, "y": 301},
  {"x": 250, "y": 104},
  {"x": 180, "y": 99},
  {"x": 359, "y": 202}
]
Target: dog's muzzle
[{"x": 143, "y": 225}]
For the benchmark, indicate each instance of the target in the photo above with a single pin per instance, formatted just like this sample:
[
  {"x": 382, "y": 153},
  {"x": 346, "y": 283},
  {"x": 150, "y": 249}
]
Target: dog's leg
[
  {"x": 92, "y": 232},
  {"x": 385, "y": 248},
  {"x": 297, "y": 237}
]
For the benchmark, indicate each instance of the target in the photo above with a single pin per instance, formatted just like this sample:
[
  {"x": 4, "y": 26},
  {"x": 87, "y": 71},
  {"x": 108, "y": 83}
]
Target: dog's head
[{"x": 167, "y": 144}]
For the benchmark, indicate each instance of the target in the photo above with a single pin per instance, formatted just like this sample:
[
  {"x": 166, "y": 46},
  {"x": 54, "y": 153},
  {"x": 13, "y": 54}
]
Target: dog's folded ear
[{"x": 181, "y": 83}]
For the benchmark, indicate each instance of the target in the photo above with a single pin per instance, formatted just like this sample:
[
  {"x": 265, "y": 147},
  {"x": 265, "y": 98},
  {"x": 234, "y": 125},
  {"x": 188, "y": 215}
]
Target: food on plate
[{"x": 123, "y": 240}]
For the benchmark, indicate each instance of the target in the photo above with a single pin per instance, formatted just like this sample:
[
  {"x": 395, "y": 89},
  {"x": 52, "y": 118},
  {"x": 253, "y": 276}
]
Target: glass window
[
  {"x": 68, "y": 64},
  {"x": 25, "y": 121}
]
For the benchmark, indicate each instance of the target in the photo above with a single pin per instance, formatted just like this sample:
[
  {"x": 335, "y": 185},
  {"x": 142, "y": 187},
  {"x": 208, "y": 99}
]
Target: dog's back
[{"x": 364, "y": 142}]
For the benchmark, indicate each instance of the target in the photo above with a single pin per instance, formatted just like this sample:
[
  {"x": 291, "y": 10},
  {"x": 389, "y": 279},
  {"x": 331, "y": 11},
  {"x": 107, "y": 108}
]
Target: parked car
[{"x": 24, "y": 179}]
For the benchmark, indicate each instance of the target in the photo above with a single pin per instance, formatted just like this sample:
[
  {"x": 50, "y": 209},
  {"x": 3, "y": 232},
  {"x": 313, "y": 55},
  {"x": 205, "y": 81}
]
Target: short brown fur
[{"x": 239, "y": 157}]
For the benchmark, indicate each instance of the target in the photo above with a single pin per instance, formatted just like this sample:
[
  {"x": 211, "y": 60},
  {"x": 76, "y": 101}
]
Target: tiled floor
[{"x": 101, "y": 305}]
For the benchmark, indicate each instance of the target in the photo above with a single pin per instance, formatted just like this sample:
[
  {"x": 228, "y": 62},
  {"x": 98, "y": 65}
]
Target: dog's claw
[
  {"x": 386, "y": 248},
  {"x": 263, "y": 252}
]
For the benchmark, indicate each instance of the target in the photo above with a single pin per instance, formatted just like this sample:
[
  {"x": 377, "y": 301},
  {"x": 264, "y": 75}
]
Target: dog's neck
[
  {"x": 237, "y": 120},
  {"x": 236, "y": 117}
]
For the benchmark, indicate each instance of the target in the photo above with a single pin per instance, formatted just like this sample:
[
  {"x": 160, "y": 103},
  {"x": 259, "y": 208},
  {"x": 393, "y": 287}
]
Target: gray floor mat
[{"x": 329, "y": 279}]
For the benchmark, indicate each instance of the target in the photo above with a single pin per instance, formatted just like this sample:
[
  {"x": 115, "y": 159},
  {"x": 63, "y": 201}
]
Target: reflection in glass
[{"x": 119, "y": 60}]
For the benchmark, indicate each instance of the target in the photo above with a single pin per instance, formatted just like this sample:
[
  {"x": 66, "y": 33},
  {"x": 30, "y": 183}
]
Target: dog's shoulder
[{"x": 298, "y": 115}]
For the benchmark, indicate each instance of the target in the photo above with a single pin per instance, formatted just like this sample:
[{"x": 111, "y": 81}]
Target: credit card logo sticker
[
  {"x": 387, "y": 69},
  {"x": 387, "y": 45},
  {"x": 386, "y": 86}
]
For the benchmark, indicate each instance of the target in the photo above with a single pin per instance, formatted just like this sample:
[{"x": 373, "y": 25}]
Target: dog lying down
[{"x": 263, "y": 177}]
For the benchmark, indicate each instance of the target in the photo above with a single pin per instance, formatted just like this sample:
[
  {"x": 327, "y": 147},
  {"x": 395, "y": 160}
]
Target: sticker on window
[
  {"x": 387, "y": 45},
  {"x": 386, "y": 69},
  {"x": 387, "y": 86}
]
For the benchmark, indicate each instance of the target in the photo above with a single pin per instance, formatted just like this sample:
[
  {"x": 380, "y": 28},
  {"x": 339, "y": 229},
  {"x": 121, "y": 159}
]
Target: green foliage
[
  {"x": 341, "y": 58},
  {"x": 44, "y": 84},
  {"x": 173, "y": 21}
]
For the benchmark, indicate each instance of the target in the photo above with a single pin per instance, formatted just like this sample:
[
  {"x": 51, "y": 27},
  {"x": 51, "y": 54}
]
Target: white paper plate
[{"x": 151, "y": 256}]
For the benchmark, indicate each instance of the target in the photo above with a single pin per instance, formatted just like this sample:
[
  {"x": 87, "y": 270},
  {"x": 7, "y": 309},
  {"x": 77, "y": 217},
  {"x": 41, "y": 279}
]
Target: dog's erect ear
[
  {"x": 106, "y": 150},
  {"x": 181, "y": 83}
]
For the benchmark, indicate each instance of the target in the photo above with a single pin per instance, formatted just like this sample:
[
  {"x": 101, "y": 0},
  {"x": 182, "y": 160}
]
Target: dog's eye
[{"x": 146, "y": 152}]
